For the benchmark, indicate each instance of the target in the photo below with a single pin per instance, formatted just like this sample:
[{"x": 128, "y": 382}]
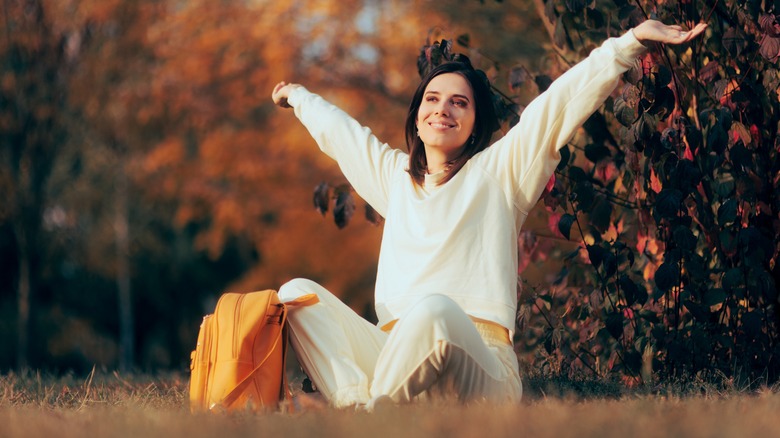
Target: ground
[{"x": 118, "y": 406}]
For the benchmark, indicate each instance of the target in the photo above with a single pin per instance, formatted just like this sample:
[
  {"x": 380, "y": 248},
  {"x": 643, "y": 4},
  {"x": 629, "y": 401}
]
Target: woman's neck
[{"x": 437, "y": 161}]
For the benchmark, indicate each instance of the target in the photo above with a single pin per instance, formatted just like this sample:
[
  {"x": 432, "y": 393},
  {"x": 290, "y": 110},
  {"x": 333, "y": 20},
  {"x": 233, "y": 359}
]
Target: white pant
[{"x": 434, "y": 349}]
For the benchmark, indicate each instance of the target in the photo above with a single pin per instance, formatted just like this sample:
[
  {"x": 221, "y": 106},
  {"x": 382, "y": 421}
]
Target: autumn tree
[{"x": 32, "y": 99}]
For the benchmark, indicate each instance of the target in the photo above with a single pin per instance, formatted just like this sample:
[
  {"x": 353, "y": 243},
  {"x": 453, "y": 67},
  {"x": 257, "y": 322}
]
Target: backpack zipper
[{"x": 236, "y": 322}]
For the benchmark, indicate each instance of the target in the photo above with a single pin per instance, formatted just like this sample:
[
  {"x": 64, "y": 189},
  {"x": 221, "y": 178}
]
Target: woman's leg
[
  {"x": 436, "y": 349},
  {"x": 336, "y": 347}
]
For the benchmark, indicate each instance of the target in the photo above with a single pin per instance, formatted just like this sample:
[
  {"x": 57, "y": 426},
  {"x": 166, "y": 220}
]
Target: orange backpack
[{"x": 239, "y": 360}]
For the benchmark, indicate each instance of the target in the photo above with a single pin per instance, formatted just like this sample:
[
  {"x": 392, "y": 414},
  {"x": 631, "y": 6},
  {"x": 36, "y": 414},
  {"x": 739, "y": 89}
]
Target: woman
[{"x": 446, "y": 281}]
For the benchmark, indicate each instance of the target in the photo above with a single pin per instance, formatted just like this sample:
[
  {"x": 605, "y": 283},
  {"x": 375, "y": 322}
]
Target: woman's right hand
[{"x": 281, "y": 92}]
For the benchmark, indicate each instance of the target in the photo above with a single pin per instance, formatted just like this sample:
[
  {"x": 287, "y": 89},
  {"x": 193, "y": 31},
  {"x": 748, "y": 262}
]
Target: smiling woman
[
  {"x": 445, "y": 119},
  {"x": 446, "y": 282},
  {"x": 450, "y": 119}
]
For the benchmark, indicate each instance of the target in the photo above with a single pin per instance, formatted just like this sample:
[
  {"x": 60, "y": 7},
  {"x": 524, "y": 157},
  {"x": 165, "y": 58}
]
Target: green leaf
[
  {"x": 614, "y": 324},
  {"x": 684, "y": 238},
  {"x": 727, "y": 212},
  {"x": 696, "y": 267},
  {"x": 724, "y": 183},
  {"x": 597, "y": 152},
  {"x": 564, "y": 225},
  {"x": 714, "y": 297},
  {"x": 595, "y": 254},
  {"x": 630, "y": 289},
  {"x": 601, "y": 213},
  {"x": 685, "y": 176},
  {"x": 650, "y": 317},
  {"x": 668, "y": 203},
  {"x": 728, "y": 241},
  {"x": 752, "y": 322},
  {"x": 697, "y": 311},
  {"x": 732, "y": 279},
  {"x": 667, "y": 276}
]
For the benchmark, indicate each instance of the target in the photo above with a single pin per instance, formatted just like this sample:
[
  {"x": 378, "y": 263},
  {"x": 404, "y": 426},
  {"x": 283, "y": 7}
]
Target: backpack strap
[{"x": 305, "y": 300}]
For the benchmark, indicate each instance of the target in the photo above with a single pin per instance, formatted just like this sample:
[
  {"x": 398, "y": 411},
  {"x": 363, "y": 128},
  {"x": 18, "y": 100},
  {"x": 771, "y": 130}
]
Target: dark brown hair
[{"x": 485, "y": 122}]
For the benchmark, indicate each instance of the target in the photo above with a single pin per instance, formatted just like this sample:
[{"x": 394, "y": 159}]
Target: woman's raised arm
[
  {"x": 655, "y": 31},
  {"x": 281, "y": 92},
  {"x": 526, "y": 157},
  {"x": 367, "y": 163}
]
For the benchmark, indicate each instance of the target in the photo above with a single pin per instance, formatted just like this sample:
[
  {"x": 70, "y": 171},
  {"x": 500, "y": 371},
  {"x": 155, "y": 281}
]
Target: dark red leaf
[
  {"x": 770, "y": 48},
  {"x": 709, "y": 71},
  {"x": 322, "y": 197},
  {"x": 464, "y": 40},
  {"x": 344, "y": 208},
  {"x": 517, "y": 77},
  {"x": 564, "y": 225},
  {"x": 733, "y": 42},
  {"x": 372, "y": 215}
]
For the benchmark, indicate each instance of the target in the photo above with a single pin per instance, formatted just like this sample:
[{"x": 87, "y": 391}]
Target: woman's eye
[
  {"x": 459, "y": 103},
  {"x": 430, "y": 99}
]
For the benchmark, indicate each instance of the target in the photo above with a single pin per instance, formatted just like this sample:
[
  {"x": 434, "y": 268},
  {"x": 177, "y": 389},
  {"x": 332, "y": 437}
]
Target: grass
[{"x": 105, "y": 404}]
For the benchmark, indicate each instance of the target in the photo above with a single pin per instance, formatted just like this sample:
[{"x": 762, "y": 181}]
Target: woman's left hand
[{"x": 655, "y": 31}]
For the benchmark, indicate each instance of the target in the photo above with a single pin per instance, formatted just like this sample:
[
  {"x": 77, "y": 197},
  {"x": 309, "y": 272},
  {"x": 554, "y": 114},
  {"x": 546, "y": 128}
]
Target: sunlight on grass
[{"x": 114, "y": 405}]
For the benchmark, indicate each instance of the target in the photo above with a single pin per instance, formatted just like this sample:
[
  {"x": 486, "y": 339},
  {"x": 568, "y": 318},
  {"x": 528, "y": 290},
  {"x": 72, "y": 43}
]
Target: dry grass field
[{"x": 112, "y": 406}]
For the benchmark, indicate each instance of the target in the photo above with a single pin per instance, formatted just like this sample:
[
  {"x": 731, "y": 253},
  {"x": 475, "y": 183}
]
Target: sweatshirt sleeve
[
  {"x": 525, "y": 158},
  {"x": 368, "y": 164}
]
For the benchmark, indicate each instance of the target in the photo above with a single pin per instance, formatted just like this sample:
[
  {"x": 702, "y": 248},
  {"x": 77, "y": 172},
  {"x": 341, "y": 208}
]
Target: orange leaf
[{"x": 655, "y": 183}]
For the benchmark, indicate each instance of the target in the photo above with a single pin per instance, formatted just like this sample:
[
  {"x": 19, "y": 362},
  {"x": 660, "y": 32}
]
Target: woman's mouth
[{"x": 440, "y": 125}]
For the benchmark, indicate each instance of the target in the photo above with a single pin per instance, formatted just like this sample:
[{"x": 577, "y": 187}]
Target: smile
[{"x": 439, "y": 125}]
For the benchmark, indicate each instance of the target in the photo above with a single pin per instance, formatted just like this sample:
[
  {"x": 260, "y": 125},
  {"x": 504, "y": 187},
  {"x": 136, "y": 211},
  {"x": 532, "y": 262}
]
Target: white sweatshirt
[{"x": 460, "y": 239}]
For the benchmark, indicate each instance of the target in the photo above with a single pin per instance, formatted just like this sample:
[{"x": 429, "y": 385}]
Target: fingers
[
  {"x": 693, "y": 33},
  {"x": 679, "y": 36},
  {"x": 279, "y": 95}
]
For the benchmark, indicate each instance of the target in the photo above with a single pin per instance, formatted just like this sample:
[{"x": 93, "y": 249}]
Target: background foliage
[
  {"x": 146, "y": 171},
  {"x": 672, "y": 193}
]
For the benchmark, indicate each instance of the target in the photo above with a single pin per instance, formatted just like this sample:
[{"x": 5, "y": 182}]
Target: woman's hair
[{"x": 485, "y": 122}]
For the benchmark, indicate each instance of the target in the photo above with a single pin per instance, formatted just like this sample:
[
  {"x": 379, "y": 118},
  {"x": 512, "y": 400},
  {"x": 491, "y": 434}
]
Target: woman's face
[{"x": 445, "y": 119}]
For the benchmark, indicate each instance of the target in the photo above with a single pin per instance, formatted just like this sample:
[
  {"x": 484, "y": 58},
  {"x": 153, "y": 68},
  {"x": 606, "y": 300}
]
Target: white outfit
[{"x": 452, "y": 248}]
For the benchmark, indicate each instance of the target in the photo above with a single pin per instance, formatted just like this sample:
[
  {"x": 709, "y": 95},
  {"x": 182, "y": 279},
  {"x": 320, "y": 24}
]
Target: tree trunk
[
  {"x": 23, "y": 304},
  {"x": 121, "y": 229}
]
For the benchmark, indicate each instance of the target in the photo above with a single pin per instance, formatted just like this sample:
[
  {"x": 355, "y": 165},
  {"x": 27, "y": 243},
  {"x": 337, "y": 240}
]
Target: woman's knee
[
  {"x": 297, "y": 288},
  {"x": 434, "y": 307}
]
